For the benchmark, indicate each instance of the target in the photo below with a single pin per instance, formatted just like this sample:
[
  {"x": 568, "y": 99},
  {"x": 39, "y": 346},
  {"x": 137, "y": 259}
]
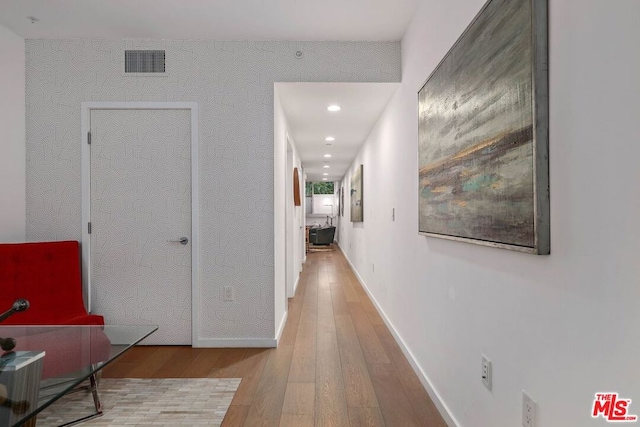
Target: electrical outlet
[
  {"x": 486, "y": 372},
  {"x": 228, "y": 293},
  {"x": 528, "y": 410}
]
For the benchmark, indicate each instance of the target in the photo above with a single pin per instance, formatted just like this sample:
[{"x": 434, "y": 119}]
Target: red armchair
[{"x": 48, "y": 275}]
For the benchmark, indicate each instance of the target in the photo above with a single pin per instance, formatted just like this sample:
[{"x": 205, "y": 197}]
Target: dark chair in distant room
[{"x": 322, "y": 236}]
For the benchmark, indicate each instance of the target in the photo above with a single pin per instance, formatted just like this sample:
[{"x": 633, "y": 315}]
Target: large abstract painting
[
  {"x": 356, "y": 196},
  {"x": 483, "y": 133}
]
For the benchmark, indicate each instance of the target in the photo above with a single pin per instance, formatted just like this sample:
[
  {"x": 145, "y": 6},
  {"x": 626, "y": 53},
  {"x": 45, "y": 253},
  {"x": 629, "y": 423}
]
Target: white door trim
[
  {"x": 289, "y": 213},
  {"x": 85, "y": 117}
]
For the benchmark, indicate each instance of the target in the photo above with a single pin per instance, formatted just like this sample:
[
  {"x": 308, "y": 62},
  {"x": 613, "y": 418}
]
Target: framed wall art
[
  {"x": 356, "y": 196},
  {"x": 296, "y": 188},
  {"x": 483, "y": 133}
]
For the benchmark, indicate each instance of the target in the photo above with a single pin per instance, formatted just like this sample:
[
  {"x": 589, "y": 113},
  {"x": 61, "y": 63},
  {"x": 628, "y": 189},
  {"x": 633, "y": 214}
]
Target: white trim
[
  {"x": 283, "y": 323},
  {"x": 295, "y": 286},
  {"x": 245, "y": 342},
  {"x": 85, "y": 117},
  {"x": 195, "y": 224},
  {"x": 279, "y": 217},
  {"x": 85, "y": 125},
  {"x": 442, "y": 407},
  {"x": 236, "y": 343},
  {"x": 289, "y": 214}
]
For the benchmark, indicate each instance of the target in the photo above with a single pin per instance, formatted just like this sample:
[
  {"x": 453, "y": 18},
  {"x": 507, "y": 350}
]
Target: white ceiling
[
  {"x": 293, "y": 20},
  {"x": 301, "y": 20},
  {"x": 305, "y": 107}
]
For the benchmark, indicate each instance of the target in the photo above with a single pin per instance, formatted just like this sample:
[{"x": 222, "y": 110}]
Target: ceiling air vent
[{"x": 144, "y": 61}]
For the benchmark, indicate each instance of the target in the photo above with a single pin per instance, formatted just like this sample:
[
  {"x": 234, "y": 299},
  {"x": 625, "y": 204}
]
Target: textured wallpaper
[{"x": 233, "y": 84}]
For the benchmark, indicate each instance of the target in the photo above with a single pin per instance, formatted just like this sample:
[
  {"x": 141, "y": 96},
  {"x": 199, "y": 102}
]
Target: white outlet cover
[
  {"x": 486, "y": 372},
  {"x": 528, "y": 410}
]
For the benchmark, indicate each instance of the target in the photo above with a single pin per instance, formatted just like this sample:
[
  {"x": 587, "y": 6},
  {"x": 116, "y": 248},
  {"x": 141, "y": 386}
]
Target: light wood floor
[{"x": 337, "y": 363}]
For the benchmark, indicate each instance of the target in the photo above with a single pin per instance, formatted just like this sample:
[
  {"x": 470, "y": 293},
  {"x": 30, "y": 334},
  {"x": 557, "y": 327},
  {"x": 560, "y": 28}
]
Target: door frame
[
  {"x": 289, "y": 214},
  {"x": 85, "y": 118}
]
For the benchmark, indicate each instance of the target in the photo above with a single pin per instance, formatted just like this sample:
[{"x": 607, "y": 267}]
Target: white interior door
[{"x": 140, "y": 210}]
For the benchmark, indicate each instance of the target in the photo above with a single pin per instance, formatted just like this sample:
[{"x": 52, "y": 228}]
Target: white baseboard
[
  {"x": 442, "y": 407},
  {"x": 236, "y": 343},
  {"x": 283, "y": 322},
  {"x": 295, "y": 286},
  {"x": 243, "y": 342}
]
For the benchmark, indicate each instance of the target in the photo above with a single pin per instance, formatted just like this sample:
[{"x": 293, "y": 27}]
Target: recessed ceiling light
[
  {"x": 329, "y": 138},
  {"x": 334, "y": 108},
  {"x": 325, "y": 174},
  {"x": 326, "y": 166},
  {"x": 327, "y": 155},
  {"x": 324, "y": 179}
]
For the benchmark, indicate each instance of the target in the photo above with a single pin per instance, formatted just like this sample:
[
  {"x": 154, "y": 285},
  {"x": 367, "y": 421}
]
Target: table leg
[{"x": 93, "y": 385}]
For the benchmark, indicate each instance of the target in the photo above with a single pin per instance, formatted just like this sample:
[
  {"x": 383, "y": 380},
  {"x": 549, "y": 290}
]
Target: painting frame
[
  {"x": 356, "y": 195},
  {"x": 296, "y": 188},
  {"x": 539, "y": 240}
]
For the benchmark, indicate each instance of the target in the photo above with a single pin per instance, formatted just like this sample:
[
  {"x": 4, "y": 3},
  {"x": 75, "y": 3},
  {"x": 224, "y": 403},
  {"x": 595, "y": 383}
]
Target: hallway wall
[
  {"x": 289, "y": 253},
  {"x": 563, "y": 326}
]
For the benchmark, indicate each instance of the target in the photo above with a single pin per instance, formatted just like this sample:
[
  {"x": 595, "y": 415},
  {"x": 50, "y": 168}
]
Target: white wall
[
  {"x": 317, "y": 211},
  {"x": 288, "y": 249},
  {"x": 322, "y": 202},
  {"x": 564, "y": 326},
  {"x": 279, "y": 199},
  {"x": 12, "y": 137}
]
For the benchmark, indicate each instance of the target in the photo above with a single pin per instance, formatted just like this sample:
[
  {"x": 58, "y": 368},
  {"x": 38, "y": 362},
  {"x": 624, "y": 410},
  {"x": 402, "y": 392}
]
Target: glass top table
[{"x": 46, "y": 362}]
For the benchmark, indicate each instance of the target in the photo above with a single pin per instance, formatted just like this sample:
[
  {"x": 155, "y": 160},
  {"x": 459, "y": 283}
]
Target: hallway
[{"x": 337, "y": 363}]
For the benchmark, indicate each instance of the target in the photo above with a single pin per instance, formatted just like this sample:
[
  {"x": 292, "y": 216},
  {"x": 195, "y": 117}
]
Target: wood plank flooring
[{"x": 337, "y": 363}]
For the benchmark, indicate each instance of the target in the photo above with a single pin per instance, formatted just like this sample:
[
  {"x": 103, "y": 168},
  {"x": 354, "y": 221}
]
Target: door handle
[{"x": 182, "y": 241}]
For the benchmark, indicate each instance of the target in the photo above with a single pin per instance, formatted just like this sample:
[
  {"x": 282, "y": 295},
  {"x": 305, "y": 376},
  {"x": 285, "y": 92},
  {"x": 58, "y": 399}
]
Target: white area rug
[{"x": 143, "y": 402}]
